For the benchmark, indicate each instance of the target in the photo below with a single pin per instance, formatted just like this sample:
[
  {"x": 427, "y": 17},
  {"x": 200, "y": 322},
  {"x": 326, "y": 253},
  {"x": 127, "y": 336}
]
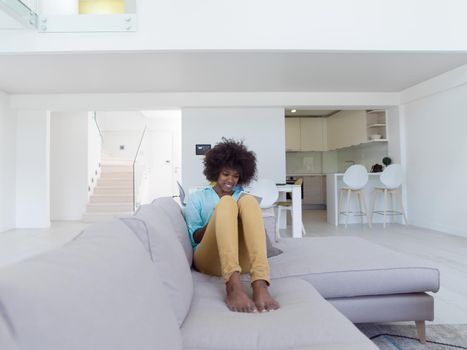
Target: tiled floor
[
  {"x": 447, "y": 251},
  {"x": 16, "y": 245}
]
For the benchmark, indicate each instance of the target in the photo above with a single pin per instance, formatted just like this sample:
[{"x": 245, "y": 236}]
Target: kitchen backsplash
[{"x": 335, "y": 161}]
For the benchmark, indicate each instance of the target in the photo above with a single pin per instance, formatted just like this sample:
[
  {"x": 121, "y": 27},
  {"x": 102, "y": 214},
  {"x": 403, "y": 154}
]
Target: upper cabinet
[
  {"x": 343, "y": 129},
  {"x": 313, "y": 134},
  {"x": 346, "y": 128},
  {"x": 292, "y": 134},
  {"x": 305, "y": 134},
  {"x": 376, "y": 125}
]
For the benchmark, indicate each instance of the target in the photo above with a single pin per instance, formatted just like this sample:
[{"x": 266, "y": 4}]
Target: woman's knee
[
  {"x": 227, "y": 203},
  {"x": 247, "y": 199}
]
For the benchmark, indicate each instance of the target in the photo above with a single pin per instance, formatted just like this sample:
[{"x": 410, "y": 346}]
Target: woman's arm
[{"x": 198, "y": 235}]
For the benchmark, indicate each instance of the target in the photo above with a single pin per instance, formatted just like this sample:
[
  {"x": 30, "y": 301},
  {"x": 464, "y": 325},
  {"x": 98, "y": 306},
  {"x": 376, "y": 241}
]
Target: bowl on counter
[{"x": 375, "y": 137}]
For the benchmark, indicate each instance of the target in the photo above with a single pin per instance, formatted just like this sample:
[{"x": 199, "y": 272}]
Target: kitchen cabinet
[
  {"x": 343, "y": 129},
  {"x": 292, "y": 134},
  {"x": 313, "y": 134},
  {"x": 346, "y": 128},
  {"x": 305, "y": 134},
  {"x": 314, "y": 190},
  {"x": 376, "y": 125}
]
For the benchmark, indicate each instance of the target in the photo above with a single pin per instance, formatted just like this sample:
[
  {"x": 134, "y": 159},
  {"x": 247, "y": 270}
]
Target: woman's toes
[{"x": 260, "y": 307}]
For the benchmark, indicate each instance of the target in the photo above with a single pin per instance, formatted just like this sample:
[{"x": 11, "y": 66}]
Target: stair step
[
  {"x": 116, "y": 161},
  {"x": 115, "y": 182},
  {"x": 117, "y": 176},
  {"x": 94, "y": 217},
  {"x": 116, "y": 187},
  {"x": 116, "y": 168},
  {"x": 111, "y": 198},
  {"x": 109, "y": 207},
  {"x": 114, "y": 190}
]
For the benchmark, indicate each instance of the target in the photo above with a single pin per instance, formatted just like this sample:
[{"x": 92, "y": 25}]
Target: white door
[{"x": 161, "y": 170}]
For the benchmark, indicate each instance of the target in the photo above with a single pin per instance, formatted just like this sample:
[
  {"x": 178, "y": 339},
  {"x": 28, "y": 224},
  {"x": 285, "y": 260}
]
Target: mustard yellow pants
[{"x": 234, "y": 240}]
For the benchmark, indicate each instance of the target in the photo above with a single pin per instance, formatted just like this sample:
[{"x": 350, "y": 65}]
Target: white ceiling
[{"x": 221, "y": 72}]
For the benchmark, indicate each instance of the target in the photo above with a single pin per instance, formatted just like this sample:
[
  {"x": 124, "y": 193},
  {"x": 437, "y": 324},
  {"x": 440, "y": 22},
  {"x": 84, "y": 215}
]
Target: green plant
[{"x": 387, "y": 161}]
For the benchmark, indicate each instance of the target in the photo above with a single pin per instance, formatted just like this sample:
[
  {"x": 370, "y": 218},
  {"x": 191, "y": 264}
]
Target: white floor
[{"x": 447, "y": 251}]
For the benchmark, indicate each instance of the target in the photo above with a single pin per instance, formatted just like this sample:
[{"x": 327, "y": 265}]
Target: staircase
[{"x": 113, "y": 194}]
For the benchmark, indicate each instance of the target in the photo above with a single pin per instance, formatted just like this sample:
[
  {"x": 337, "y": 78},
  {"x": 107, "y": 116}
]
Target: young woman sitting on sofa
[{"x": 226, "y": 227}]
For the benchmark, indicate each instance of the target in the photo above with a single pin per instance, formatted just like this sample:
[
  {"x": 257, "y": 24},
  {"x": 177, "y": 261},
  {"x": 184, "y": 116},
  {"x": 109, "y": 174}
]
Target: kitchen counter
[{"x": 334, "y": 183}]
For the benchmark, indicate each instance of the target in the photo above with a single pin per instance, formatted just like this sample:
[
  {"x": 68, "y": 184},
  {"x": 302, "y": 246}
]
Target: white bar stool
[
  {"x": 391, "y": 178},
  {"x": 355, "y": 178},
  {"x": 287, "y": 206},
  {"x": 266, "y": 189}
]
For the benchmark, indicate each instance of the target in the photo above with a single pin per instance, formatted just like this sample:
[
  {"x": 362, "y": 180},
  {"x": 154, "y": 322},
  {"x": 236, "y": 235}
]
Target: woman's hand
[{"x": 198, "y": 235}]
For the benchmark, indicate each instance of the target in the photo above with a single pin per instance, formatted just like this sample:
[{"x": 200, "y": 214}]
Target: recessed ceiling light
[{"x": 293, "y": 110}]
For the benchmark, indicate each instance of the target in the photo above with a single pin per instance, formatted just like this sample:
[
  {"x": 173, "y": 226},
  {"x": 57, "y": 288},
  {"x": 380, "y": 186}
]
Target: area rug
[{"x": 404, "y": 337}]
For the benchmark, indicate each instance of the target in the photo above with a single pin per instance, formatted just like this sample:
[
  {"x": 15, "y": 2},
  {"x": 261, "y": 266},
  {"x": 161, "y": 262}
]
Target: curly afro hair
[{"x": 230, "y": 154}]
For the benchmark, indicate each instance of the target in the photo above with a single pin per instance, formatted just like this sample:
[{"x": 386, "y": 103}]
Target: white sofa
[{"x": 127, "y": 284}]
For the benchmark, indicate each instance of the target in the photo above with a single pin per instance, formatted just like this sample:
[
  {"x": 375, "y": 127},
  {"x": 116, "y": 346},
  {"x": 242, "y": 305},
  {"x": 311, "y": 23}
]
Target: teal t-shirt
[{"x": 200, "y": 206}]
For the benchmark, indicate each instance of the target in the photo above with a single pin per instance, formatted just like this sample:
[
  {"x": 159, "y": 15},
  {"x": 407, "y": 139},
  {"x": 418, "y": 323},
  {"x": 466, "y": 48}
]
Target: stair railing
[
  {"x": 139, "y": 169},
  {"x": 94, "y": 116},
  {"x": 95, "y": 142}
]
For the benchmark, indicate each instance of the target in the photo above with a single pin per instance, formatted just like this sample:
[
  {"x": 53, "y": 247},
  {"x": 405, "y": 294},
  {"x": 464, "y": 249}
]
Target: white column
[
  {"x": 32, "y": 169},
  {"x": 61, "y": 7},
  {"x": 68, "y": 165},
  {"x": 7, "y": 164}
]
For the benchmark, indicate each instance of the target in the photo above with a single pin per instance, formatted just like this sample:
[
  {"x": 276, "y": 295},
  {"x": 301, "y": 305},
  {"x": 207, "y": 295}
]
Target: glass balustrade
[
  {"x": 21, "y": 12},
  {"x": 141, "y": 168},
  {"x": 67, "y": 16}
]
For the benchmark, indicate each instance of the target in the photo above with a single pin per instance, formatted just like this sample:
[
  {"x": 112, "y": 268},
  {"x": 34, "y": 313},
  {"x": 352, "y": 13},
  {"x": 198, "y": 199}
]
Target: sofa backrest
[
  {"x": 175, "y": 214},
  {"x": 99, "y": 291},
  {"x": 154, "y": 228}
]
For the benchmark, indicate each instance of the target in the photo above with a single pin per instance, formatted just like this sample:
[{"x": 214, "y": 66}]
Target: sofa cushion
[
  {"x": 349, "y": 266},
  {"x": 175, "y": 215},
  {"x": 304, "y": 319},
  {"x": 167, "y": 254},
  {"x": 99, "y": 291},
  {"x": 271, "y": 250},
  {"x": 7, "y": 341}
]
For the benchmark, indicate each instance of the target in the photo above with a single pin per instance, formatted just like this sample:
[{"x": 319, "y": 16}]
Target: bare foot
[
  {"x": 263, "y": 300},
  {"x": 237, "y": 300}
]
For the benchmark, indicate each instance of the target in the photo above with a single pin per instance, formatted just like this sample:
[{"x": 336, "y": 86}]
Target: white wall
[
  {"x": 170, "y": 121},
  {"x": 154, "y": 101},
  {"x": 121, "y": 129},
  {"x": 7, "y": 164},
  {"x": 120, "y": 120},
  {"x": 436, "y": 148},
  {"x": 393, "y": 129},
  {"x": 128, "y": 139},
  {"x": 68, "y": 165},
  {"x": 32, "y": 169},
  {"x": 262, "y": 129},
  {"x": 270, "y": 24}
]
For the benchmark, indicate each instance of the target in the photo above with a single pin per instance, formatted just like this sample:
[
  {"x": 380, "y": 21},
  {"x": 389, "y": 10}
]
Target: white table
[{"x": 296, "y": 207}]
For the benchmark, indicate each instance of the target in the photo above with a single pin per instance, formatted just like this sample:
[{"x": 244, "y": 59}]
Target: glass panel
[
  {"x": 32, "y": 4},
  {"x": 141, "y": 166},
  {"x": 102, "y": 7},
  {"x": 18, "y": 12}
]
